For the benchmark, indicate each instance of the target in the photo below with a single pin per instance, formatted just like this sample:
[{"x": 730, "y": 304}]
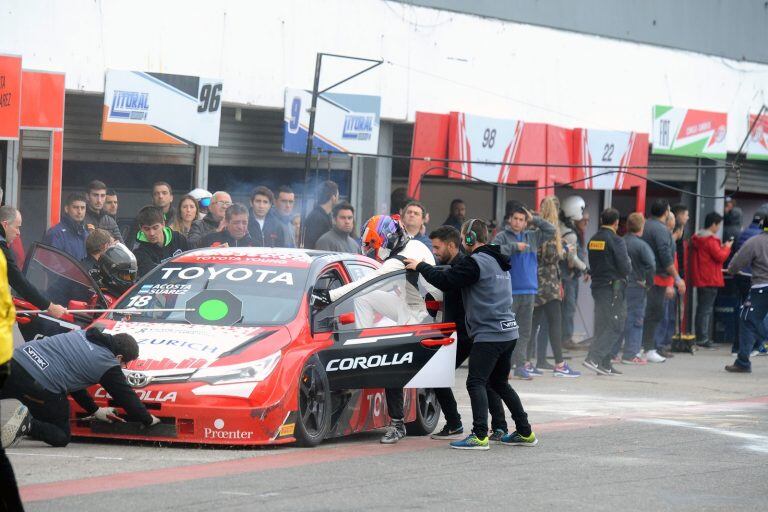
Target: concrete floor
[{"x": 682, "y": 435}]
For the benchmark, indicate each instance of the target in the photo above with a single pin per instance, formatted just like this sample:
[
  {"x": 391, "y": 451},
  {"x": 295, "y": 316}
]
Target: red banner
[{"x": 10, "y": 96}]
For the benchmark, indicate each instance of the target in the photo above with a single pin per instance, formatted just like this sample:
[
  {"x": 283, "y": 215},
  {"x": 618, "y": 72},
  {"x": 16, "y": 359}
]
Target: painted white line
[
  {"x": 236, "y": 493},
  {"x": 759, "y": 442},
  {"x": 61, "y": 456},
  {"x": 361, "y": 341}
]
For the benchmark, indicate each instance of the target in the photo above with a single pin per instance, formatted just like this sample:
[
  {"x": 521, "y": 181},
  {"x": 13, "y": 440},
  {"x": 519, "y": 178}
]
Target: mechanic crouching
[{"x": 45, "y": 371}]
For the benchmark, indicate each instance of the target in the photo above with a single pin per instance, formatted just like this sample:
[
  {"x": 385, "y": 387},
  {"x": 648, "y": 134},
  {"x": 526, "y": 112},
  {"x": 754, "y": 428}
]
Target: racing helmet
[
  {"x": 202, "y": 196},
  {"x": 573, "y": 208},
  {"x": 382, "y": 235},
  {"x": 118, "y": 268}
]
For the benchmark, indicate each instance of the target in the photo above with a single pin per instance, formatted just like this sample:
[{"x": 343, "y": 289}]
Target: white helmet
[
  {"x": 573, "y": 208},
  {"x": 200, "y": 193}
]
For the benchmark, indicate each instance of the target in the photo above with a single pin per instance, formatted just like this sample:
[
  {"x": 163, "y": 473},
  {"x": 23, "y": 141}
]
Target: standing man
[
  {"x": 156, "y": 242},
  {"x": 339, "y": 238},
  {"x": 709, "y": 255},
  {"x": 70, "y": 234},
  {"x": 483, "y": 279},
  {"x": 283, "y": 212},
  {"x": 265, "y": 229},
  {"x": 640, "y": 279},
  {"x": 414, "y": 216},
  {"x": 658, "y": 237},
  {"x": 213, "y": 220},
  {"x": 456, "y": 215},
  {"x": 572, "y": 213},
  {"x": 731, "y": 219},
  {"x": 521, "y": 244},
  {"x": 754, "y": 254},
  {"x": 162, "y": 197},
  {"x": 10, "y": 227},
  {"x": 111, "y": 204},
  {"x": 235, "y": 234},
  {"x": 682, "y": 215},
  {"x": 95, "y": 215},
  {"x": 318, "y": 222},
  {"x": 610, "y": 267}
]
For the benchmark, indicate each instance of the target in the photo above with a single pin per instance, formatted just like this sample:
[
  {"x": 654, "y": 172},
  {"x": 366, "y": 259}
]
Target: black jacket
[
  {"x": 317, "y": 223},
  {"x": 148, "y": 255},
  {"x": 200, "y": 228},
  {"x": 462, "y": 274},
  {"x": 453, "y": 305},
  {"x": 218, "y": 238},
  {"x": 18, "y": 281},
  {"x": 271, "y": 235},
  {"x": 608, "y": 258}
]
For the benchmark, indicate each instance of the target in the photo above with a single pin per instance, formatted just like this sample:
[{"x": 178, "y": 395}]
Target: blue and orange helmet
[{"x": 381, "y": 235}]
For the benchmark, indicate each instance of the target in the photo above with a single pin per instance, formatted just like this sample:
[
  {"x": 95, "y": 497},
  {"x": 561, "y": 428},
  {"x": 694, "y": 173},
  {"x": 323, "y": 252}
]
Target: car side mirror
[
  {"x": 77, "y": 304},
  {"x": 346, "y": 318}
]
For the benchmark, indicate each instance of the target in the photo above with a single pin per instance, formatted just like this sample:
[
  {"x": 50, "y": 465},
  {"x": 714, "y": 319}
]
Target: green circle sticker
[{"x": 213, "y": 310}]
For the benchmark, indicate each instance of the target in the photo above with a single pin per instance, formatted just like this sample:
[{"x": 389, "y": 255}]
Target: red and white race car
[{"x": 244, "y": 359}]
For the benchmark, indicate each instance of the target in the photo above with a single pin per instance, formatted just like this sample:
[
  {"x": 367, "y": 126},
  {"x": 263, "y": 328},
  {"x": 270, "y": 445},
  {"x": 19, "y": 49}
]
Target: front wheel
[
  {"x": 314, "y": 418},
  {"x": 427, "y": 413}
]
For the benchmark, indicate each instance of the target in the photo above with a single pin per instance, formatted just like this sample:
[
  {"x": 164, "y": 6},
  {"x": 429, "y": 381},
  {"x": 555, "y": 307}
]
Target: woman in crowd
[
  {"x": 549, "y": 297},
  {"x": 186, "y": 215}
]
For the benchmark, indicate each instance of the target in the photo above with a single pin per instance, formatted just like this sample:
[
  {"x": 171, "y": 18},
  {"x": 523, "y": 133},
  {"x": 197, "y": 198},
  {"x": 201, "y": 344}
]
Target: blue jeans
[
  {"x": 751, "y": 317},
  {"x": 633, "y": 328},
  {"x": 666, "y": 327},
  {"x": 570, "y": 298}
]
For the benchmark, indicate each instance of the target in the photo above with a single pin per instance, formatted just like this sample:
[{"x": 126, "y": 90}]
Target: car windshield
[{"x": 261, "y": 295}]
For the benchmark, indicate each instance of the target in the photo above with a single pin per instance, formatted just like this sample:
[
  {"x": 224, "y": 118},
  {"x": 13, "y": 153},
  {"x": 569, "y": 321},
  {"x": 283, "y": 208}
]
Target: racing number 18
[
  {"x": 139, "y": 301},
  {"x": 210, "y": 98}
]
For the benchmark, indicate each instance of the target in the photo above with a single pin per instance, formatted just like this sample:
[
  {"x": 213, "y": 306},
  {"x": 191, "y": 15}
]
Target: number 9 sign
[{"x": 293, "y": 123}]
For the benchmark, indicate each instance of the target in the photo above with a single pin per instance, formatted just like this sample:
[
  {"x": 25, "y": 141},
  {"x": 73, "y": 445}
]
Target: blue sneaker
[
  {"x": 471, "y": 442},
  {"x": 522, "y": 374},
  {"x": 496, "y": 435},
  {"x": 565, "y": 371},
  {"x": 515, "y": 439},
  {"x": 532, "y": 370}
]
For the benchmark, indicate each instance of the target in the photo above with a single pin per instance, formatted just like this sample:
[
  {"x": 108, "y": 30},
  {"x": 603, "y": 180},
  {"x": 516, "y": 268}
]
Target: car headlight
[{"x": 252, "y": 371}]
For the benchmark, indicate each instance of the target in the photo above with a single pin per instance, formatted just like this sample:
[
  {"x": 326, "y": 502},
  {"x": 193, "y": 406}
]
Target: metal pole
[{"x": 308, "y": 155}]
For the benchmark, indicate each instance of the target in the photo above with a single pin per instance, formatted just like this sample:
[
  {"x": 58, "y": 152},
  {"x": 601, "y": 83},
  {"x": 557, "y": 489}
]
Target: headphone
[{"x": 470, "y": 237}]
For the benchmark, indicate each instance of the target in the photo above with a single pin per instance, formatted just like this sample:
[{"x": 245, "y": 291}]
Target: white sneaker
[
  {"x": 653, "y": 357},
  {"x": 16, "y": 427}
]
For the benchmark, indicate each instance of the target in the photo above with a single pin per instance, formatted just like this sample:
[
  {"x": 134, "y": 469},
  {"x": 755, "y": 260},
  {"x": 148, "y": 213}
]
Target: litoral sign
[
  {"x": 688, "y": 132},
  {"x": 344, "y": 122},
  {"x": 757, "y": 143},
  {"x": 10, "y": 96},
  {"x": 158, "y": 108}
]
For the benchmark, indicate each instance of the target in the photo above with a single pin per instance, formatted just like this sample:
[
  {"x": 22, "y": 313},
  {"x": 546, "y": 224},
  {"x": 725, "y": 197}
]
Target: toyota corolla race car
[{"x": 232, "y": 351}]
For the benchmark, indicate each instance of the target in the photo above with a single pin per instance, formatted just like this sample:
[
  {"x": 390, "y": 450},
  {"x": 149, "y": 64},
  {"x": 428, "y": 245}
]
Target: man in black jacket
[
  {"x": 265, "y": 229},
  {"x": 483, "y": 279},
  {"x": 155, "y": 242},
  {"x": 10, "y": 227},
  {"x": 96, "y": 216},
  {"x": 213, "y": 220},
  {"x": 235, "y": 234},
  {"x": 610, "y": 267},
  {"x": 318, "y": 222},
  {"x": 45, "y": 371}
]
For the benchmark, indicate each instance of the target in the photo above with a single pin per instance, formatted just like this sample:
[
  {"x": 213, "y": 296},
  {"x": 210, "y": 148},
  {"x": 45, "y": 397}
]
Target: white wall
[{"x": 436, "y": 60}]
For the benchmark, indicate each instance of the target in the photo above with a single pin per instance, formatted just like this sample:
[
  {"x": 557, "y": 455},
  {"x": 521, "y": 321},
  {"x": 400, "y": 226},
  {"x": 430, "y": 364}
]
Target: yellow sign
[
  {"x": 287, "y": 429},
  {"x": 597, "y": 245}
]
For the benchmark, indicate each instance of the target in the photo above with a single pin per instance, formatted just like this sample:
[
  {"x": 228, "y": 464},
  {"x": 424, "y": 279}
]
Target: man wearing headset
[
  {"x": 384, "y": 239},
  {"x": 483, "y": 279}
]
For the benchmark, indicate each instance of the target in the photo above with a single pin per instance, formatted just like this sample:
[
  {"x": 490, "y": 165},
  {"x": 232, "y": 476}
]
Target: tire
[
  {"x": 314, "y": 414},
  {"x": 427, "y": 414}
]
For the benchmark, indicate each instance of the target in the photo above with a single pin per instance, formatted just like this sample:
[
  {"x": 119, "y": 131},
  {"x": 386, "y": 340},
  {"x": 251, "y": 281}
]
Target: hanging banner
[
  {"x": 348, "y": 123},
  {"x": 609, "y": 150},
  {"x": 688, "y": 132},
  {"x": 757, "y": 143},
  {"x": 10, "y": 97},
  {"x": 159, "y": 108}
]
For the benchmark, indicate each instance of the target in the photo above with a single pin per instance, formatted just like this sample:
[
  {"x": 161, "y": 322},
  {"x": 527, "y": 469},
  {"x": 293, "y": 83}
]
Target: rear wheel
[
  {"x": 427, "y": 413},
  {"x": 314, "y": 418}
]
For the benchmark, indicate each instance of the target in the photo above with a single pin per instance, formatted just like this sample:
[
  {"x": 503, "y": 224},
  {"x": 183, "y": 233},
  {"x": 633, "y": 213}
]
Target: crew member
[
  {"x": 45, "y": 371},
  {"x": 446, "y": 243},
  {"x": 10, "y": 227},
  {"x": 610, "y": 267},
  {"x": 235, "y": 232},
  {"x": 483, "y": 279},
  {"x": 156, "y": 242},
  {"x": 385, "y": 239}
]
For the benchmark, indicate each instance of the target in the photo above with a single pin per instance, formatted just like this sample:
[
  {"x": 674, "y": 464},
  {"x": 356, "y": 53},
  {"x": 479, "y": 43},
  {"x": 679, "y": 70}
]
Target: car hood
[{"x": 181, "y": 349}]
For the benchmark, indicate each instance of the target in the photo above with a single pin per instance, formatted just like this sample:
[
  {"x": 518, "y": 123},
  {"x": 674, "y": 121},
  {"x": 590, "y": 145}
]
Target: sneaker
[
  {"x": 515, "y": 439},
  {"x": 707, "y": 344},
  {"x": 449, "y": 432},
  {"x": 615, "y": 360},
  {"x": 471, "y": 442},
  {"x": 395, "y": 432},
  {"x": 614, "y": 371},
  {"x": 544, "y": 365},
  {"x": 522, "y": 374},
  {"x": 635, "y": 360},
  {"x": 496, "y": 435},
  {"x": 665, "y": 353},
  {"x": 564, "y": 370},
  {"x": 600, "y": 369},
  {"x": 762, "y": 351},
  {"x": 16, "y": 427},
  {"x": 736, "y": 368},
  {"x": 653, "y": 357},
  {"x": 532, "y": 370}
]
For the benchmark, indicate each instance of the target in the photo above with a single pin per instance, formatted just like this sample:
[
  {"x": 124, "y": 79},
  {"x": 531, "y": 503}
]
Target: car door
[
  {"x": 384, "y": 336},
  {"x": 64, "y": 281}
]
